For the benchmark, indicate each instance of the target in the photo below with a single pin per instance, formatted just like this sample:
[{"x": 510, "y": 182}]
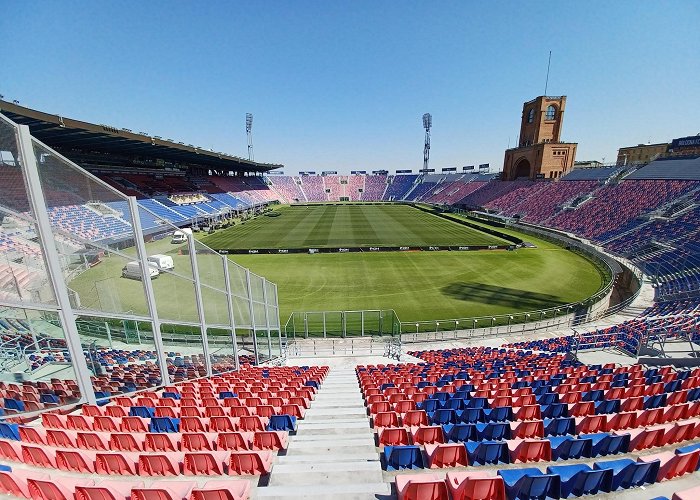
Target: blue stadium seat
[
  {"x": 429, "y": 405},
  {"x": 403, "y": 457},
  {"x": 282, "y": 423},
  {"x": 493, "y": 431},
  {"x": 547, "y": 398},
  {"x": 441, "y": 417},
  {"x": 14, "y": 404},
  {"x": 9, "y": 431},
  {"x": 488, "y": 452},
  {"x": 49, "y": 398},
  {"x": 471, "y": 416},
  {"x": 171, "y": 395},
  {"x": 607, "y": 406},
  {"x": 689, "y": 448},
  {"x": 608, "y": 444},
  {"x": 459, "y": 433},
  {"x": 453, "y": 404},
  {"x": 530, "y": 484},
  {"x": 655, "y": 401},
  {"x": 568, "y": 447},
  {"x": 559, "y": 426},
  {"x": 629, "y": 474},
  {"x": 142, "y": 411},
  {"x": 579, "y": 479},
  {"x": 554, "y": 410},
  {"x": 596, "y": 395},
  {"x": 498, "y": 414},
  {"x": 164, "y": 424}
]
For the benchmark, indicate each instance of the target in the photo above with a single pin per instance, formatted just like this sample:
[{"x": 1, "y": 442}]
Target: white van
[
  {"x": 132, "y": 270},
  {"x": 161, "y": 262},
  {"x": 181, "y": 235}
]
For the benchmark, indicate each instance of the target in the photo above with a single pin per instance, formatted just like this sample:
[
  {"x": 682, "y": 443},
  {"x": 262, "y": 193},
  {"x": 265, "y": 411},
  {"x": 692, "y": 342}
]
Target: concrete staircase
[{"x": 332, "y": 454}]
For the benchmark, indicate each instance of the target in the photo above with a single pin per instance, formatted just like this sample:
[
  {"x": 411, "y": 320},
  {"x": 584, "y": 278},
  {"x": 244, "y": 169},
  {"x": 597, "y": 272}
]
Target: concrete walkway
[{"x": 332, "y": 454}]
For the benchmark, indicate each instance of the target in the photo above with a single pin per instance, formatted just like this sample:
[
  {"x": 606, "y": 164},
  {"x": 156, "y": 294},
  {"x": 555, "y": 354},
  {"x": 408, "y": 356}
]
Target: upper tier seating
[
  {"x": 313, "y": 188},
  {"x": 399, "y": 185},
  {"x": 629, "y": 199},
  {"x": 375, "y": 185},
  {"x": 288, "y": 188}
]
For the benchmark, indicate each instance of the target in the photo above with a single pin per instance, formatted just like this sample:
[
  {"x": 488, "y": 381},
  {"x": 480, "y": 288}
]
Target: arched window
[
  {"x": 531, "y": 115},
  {"x": 551, "y": 113}
]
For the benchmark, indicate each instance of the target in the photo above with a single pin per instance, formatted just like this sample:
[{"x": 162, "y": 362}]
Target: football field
[
  {"x": 349, "y": 225},
  {"x": 418, "y": 285}
]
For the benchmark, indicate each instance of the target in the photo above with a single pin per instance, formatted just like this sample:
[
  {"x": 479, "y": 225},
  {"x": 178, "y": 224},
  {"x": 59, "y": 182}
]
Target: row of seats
[
  {"x": 169, "y": 463},
  {"x": 24, "y": 484},
  {"x": 151, "y": 441},
  {"x": 558, "y": 481}
]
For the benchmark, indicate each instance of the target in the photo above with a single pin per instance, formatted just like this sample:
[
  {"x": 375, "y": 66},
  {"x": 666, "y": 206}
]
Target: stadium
[{"x": 180, "y": 323}]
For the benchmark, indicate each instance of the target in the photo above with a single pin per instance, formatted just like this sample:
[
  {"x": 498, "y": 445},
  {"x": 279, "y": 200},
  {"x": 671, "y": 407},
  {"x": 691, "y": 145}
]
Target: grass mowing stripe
[{"x": 349, "y": 225}]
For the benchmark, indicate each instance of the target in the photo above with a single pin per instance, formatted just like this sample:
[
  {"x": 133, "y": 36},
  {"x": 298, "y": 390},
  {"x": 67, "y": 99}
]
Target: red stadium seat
[
  {"x": 204, "y": 463},
  {"x": 252, "y": 463},
  {"x": 76, "y": 460},
  {"x": 159, "y": 464},
  {"x": 529, "y": 450},
  {"x": 427, "y": 434},
  {"x": 229, "y": 489},
  {"x": 237, "y": 441},
  {"x": 107, "y": 490},
  {"x": 46, "y": 489},
  {"x": 475, "y": 485},
  {"x": 446, "y": 455},
  {"x": 164, "y": 490},
  {"x": 393, "y": 436},
  {"x": 421, "y": 487}
]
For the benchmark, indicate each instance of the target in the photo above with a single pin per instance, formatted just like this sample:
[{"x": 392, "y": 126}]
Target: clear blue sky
[{"x": 343, "y": 85}]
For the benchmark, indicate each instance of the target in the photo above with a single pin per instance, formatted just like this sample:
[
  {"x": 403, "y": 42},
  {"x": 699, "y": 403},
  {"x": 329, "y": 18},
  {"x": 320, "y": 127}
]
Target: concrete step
[
  {"x": 341, "y": 439},
  {"x": 326, "y": 458},
  {"x": 329, "y": 448},
  {"x": 325, "y": 430},
  {"x": 334, "y": 413},
  {"x": 359, "y": 491},
  {"x": 326, "y": 473}
]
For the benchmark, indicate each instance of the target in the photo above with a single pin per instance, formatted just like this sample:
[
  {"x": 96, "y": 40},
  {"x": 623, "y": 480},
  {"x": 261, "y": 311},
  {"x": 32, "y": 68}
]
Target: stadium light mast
[
  {"x": 249, "y": 133},
  {"x": 427, "y": 124}
]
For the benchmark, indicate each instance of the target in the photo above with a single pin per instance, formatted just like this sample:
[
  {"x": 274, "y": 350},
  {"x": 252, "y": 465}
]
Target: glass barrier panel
[
  {"x": 37, "y": 371},
  {"x": 184, "y": 351},
  {"x": 23, "y": 271},
  {"x": 121, "y": 354},
  {"x": 221, "y": 350}
]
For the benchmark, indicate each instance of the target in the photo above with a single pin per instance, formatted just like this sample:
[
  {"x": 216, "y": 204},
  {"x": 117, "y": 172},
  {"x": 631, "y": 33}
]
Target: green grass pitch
[
  {"x": 417, "y": 285},
  {"x": 352, "y": 225}
]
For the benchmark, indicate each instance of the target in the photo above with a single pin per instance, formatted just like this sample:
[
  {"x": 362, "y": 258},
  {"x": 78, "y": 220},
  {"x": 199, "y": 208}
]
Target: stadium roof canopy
[{"x": 65, "y": 134}]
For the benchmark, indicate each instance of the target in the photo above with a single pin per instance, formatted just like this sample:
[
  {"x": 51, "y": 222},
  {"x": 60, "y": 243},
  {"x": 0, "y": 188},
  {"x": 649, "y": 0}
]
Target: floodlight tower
[
  {"x": 427, "y": 124},
  {"x": 249, "y": 133}
]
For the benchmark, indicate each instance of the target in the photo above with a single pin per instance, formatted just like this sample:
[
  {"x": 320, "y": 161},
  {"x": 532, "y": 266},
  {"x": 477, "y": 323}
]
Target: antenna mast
[
  {"x": 427, "y": 124},
  {"x": 546, "y": 82},
  {"x": 249, "y": 133}
]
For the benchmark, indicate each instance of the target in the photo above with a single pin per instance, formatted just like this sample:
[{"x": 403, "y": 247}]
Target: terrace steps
[{"x": 332, "y": 454}]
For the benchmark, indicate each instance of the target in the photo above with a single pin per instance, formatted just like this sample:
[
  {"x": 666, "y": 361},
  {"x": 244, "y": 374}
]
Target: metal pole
[
  {"x": 362, "y": 323},
  {"x": 53, "y": 263},
  {"x": 267, "y": 321},
  {"x": 109, "y": 334},
  {"x": 251, "y": 308},
  {"x": 231, "y": 315},
  {"x": 148, "y": 290},
  {"x": 279, "y": 324},
  {"x": 345, "y": 326},
  {"x": 200, "y": 304},
  {"x": 324, "y": 324}
]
